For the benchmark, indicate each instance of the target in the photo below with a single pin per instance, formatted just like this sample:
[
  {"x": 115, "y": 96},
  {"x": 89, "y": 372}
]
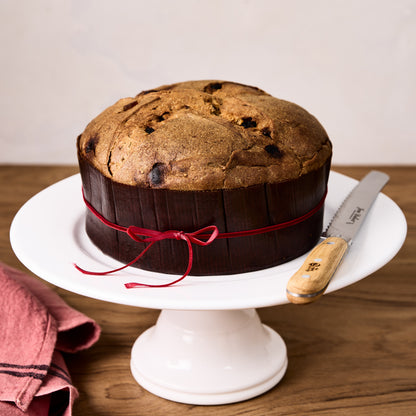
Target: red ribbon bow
[
  {"x": 152, "y": 236},
  {"x": 144, "y": 235}
]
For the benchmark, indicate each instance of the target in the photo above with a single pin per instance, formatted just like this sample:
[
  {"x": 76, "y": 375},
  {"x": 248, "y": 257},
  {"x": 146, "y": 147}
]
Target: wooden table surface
[{"x": 351, "y": 353}]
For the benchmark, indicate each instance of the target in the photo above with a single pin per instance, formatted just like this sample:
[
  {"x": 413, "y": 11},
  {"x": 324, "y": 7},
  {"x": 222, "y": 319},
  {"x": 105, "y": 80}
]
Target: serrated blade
[{"x": 350, "y": 215}]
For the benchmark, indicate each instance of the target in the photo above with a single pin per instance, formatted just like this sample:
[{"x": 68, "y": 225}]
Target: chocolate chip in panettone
[
  {"x": 266, "y": 132},
  {"x": 156, "y": 175},
  {"x": 91, "y": 144},
  {"x": 213, "y": 86},
  {"x": 248, "y": 122},
  {"x": 162, "y": 117},
  {"x": 273, "y": 151},
  {"x": 149, "y": 129}
]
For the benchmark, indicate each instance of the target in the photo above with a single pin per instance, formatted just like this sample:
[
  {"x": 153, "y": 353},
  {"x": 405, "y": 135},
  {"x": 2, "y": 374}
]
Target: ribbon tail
[
  {"x": 91, "y": 273},
  {"x": 133, "y": 285}
]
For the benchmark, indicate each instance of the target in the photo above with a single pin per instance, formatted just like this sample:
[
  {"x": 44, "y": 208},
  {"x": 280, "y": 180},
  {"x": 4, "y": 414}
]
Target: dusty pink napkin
[{"x": 36, "y": 325}]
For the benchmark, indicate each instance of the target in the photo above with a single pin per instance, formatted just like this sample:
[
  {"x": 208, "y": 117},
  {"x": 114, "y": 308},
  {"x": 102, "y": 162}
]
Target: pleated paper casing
[{"x": 229, "y": 209}]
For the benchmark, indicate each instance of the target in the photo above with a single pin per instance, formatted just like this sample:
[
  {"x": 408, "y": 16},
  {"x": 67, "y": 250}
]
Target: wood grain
[
  {"x": 351, "y": 353},
  {"x": 309, "y": 282}
]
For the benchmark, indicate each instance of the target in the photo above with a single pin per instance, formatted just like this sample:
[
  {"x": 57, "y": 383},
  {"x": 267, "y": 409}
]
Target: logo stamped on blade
[{"x": 355, "y": 215}]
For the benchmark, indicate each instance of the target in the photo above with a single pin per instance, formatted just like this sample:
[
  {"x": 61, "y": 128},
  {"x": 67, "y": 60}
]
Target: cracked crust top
[{"x": 204, "y": 135}]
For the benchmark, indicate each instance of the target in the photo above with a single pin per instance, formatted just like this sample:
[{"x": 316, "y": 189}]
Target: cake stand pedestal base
[{"x": 208, "y": 357}]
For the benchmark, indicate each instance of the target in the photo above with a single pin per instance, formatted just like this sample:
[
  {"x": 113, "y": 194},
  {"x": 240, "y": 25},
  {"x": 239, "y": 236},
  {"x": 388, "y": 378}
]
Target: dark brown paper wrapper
[{"x": 188, "y": 211}]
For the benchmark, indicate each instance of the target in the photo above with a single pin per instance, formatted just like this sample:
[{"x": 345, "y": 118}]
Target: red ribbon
[{"x": 202, "y": 237}]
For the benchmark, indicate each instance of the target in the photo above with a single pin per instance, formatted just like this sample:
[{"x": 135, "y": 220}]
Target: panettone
[{"x": 205, "y": 153}]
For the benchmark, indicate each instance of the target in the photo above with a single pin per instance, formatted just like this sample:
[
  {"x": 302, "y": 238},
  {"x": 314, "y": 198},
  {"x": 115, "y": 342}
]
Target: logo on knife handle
[
  {"x": 355, "y": 215},
  {"x": 313, "y": 267}
]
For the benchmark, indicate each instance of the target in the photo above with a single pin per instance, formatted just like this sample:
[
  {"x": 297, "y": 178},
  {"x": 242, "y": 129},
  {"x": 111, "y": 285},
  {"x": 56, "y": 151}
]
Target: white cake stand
[{"x": 208, "y": 345}]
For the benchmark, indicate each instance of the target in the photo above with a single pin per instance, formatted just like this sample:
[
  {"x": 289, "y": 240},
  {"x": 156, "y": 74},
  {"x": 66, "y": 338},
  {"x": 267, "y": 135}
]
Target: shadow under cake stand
[{"x": 208, "y": 345}]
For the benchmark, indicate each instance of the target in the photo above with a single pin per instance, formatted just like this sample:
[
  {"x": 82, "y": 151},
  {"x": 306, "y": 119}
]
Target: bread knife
[{"x": 311, "y": 280}]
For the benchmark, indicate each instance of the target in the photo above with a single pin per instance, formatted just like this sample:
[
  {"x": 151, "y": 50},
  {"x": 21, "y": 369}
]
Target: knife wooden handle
[{"x": 310, "y": 281}]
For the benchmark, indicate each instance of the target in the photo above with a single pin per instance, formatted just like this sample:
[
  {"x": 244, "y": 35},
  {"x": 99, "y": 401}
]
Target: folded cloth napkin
[{"x": 36, "y": 325}]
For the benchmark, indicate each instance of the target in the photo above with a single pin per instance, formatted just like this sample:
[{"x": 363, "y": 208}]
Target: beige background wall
[{"x": 350, "y": 63}]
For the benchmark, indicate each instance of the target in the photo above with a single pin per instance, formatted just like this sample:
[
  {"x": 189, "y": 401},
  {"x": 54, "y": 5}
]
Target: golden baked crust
[{"x": 204, "y": 135}]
